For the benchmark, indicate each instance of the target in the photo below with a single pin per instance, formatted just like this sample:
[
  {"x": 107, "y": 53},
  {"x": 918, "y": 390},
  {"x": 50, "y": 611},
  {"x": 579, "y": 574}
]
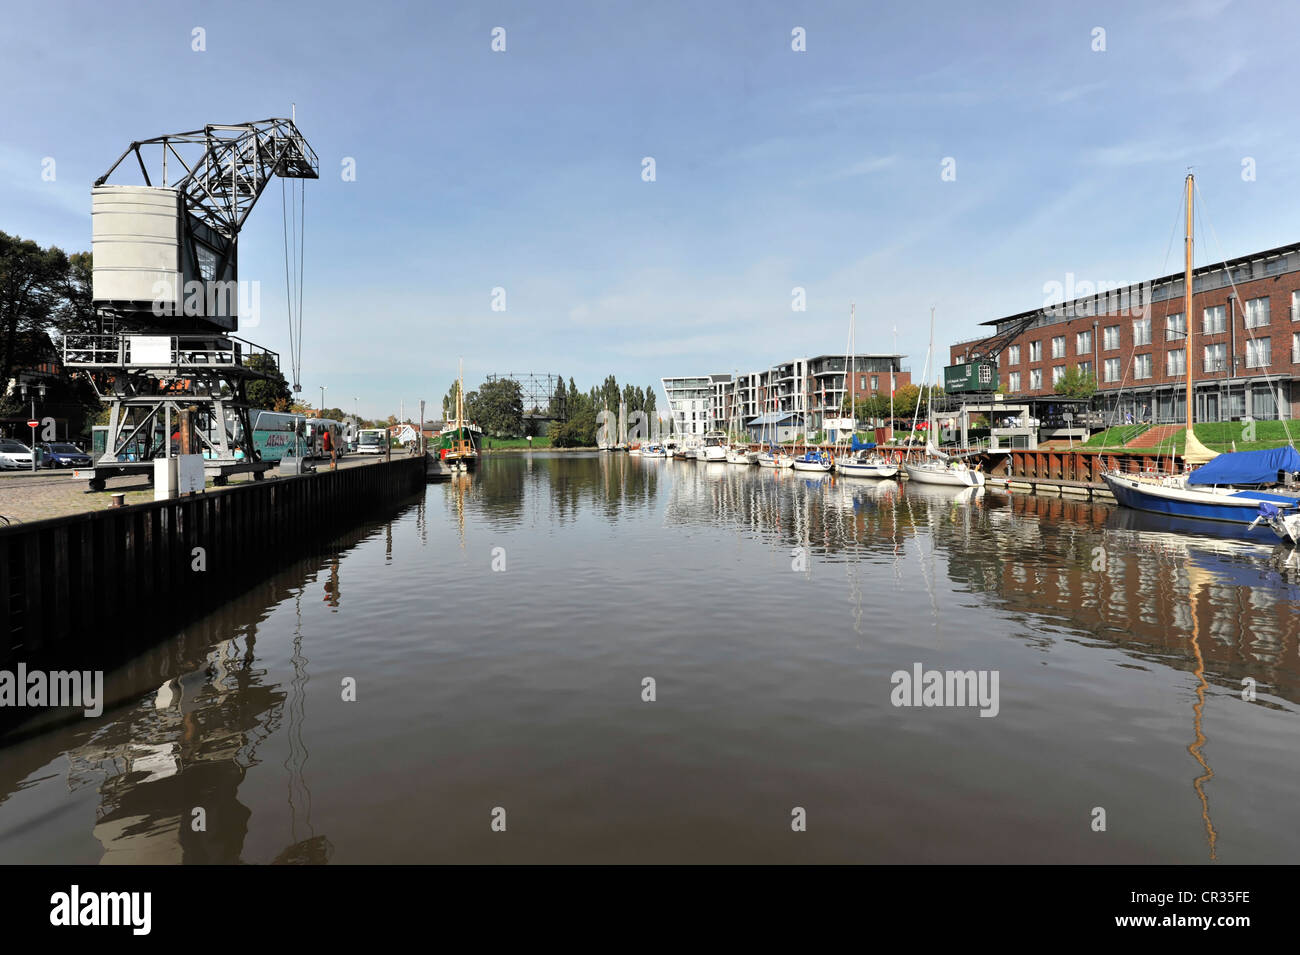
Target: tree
[
  {"x": 449, "y": 402},
  {"x": 559, "y": 399},
  {"x": 32, "y": 282},
  {"x": 498, "y": 408},
  {"x": 271, "y": 392},
  {"x": 649, "y": 405},
  {"x": 1076, "y": 383}
]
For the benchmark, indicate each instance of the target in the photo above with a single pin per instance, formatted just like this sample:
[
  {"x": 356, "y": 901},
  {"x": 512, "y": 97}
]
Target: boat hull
[
  {"x": 945, "y": 477},
  {"x": 1145, "y": 495},
  {"x": 816, "y": 466},
  {"x": 857, "y": 469}
]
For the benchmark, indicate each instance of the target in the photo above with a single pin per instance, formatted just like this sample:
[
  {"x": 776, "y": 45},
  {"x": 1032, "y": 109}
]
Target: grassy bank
[
  {"x": 1215, "y": 435},
  {"x": 506, "y": 444}
]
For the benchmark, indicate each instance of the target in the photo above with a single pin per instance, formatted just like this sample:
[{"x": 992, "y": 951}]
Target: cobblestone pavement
[{"x": 27, "y": 497}]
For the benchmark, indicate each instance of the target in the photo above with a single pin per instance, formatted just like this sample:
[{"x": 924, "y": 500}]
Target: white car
[{"x": 14, "y": 455}]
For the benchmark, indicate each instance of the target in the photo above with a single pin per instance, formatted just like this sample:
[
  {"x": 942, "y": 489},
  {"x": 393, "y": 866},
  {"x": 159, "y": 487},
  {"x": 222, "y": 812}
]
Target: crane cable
[{"x": 293, "y": 283}]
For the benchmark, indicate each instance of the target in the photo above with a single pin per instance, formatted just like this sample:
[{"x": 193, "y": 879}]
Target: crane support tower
[{"x": 167, "y": 294}]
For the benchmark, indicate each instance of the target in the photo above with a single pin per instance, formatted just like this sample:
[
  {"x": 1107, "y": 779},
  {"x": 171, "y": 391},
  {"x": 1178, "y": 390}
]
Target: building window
[
  {"x": 1035, "y": 351},
  {"x": 1216, "y": 320},
  {"x": 1013, "y": 355},
  {"x": 1257, "y": 312},
  {"x": 1142, "y": 363},
  {"x": 1058, "y": 346},
  {"x": 1216, "y": 357},
  {"x": 1057, "y": 374},
  {"x": 1176, "y": 327},
  {"x": 1110, "y": 337},
  {"x": 1295, "y": 346},
  {"x": 1112, "y": 369},
  {"x": 1085, "y": 367},
  {"x": 1142, "y": 332},
  {"x": 1295, "y": 306},
  {"x": 1083, "y": 343},
  {"x": 1013, "y": 379},
  {"x": 1176, "y": 363},
  {"x": 862, "y": 383},
  {"x": 1035, "y": 379},
  {"x": 875, "y": 383},
  {"x": 1259, "y": 353}
]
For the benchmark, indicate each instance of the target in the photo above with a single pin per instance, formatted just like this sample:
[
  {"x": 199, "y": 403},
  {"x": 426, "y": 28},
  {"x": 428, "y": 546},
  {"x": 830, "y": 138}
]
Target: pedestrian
[{"x": 327, "y": 444}]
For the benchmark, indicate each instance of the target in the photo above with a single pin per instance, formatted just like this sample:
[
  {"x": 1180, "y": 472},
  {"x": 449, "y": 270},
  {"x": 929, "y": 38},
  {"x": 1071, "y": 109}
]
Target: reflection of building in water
[{"x": 1144, "y": 590}]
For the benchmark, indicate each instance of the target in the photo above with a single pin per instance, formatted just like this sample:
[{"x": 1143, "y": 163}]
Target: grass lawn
[
  {"x": 541, "y": 441},
  {"x": 1215, "y": 435}
]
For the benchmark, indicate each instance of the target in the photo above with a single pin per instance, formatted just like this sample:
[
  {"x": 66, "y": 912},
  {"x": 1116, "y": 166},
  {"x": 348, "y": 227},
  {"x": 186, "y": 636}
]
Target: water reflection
[
  {"x": 774, "y": 604},
  {"x": 167, "y": 764}
]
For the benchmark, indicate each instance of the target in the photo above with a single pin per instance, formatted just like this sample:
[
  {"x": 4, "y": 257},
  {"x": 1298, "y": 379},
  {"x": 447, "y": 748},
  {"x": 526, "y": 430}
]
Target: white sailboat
[
  {"x": 937, "y": 468},
  {"x": 857, "y": 461},
  {"x": 738, "y": 453}
]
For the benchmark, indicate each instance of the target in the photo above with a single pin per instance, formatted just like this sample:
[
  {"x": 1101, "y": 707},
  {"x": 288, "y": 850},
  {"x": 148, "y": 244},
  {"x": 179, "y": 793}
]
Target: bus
[
  {"x": 372, "y": 440},
  {"x": 315, "y": 428},
  {"x": 277, "y": 433}
]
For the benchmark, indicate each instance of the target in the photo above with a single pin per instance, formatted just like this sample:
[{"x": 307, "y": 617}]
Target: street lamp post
[{"x": 322, "y": 400}]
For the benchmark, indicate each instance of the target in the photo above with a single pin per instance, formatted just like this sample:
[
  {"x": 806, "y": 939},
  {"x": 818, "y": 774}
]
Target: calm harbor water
[{"x": 499, "y": 633}]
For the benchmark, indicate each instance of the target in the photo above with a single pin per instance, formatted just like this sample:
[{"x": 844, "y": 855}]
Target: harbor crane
[
  {"x": 168, "y": 298},
  {"x": 979, "y": 372}
]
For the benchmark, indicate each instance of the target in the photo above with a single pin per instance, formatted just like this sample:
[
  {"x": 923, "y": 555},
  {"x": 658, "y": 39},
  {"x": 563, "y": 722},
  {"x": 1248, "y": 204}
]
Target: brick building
[{"x": 1246, "y": 360}]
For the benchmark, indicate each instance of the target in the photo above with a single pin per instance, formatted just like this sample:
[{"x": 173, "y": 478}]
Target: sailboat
[
  {"x": 738, "y": 453},
  {"x": 810, "y": 460},
  {"x": 937, "y": 467},
  {"x": 1237, "y": 487},
  {"x": 859, "y": 459},
  {"x": 459, "y": 441},
  {"x": 774, "y": 456}
]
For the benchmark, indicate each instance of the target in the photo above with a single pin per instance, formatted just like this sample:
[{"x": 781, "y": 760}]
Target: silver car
[{"x": 14, "y": 455}]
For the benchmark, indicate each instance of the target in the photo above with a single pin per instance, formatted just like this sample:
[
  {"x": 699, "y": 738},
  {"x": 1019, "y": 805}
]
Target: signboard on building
[{"x": 976, "y": 376}]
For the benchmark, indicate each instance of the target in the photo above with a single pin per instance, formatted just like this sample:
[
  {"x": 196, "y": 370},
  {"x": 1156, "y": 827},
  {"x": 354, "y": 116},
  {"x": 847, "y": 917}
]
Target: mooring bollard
[{"x": 119, "y": 499}]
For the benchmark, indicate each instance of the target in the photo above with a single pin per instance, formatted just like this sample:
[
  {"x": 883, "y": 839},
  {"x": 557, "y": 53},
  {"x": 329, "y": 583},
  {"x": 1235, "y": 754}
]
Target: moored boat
[{"x": 813, "y": 461}]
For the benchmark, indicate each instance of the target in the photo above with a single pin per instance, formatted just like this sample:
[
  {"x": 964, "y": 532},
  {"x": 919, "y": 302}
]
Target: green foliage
[
  {"x": 1076, "y": 383},
  {"x": 271, "y": 393},
  {"x": 559, "y": 400},
  {"x": 497, "y": 407}
]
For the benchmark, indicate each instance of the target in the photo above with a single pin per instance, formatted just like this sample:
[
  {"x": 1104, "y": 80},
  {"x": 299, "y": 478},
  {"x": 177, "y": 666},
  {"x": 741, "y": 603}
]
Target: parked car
[
  {"x": 63, "y": 455},
  {"x": 14, "y": 455}
]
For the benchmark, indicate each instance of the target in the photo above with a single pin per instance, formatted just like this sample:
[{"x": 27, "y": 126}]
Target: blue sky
[{"x": 774, "y": 168}]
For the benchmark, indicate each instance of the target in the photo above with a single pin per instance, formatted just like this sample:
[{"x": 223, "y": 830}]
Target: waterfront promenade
[{"x": 26, "y": 497}]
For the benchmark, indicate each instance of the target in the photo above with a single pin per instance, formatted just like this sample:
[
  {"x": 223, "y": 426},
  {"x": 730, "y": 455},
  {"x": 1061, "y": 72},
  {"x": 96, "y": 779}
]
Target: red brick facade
[{"x": 1128, "y": 359}]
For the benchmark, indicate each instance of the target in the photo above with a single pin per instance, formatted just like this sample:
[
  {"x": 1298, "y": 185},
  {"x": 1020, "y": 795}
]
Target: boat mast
[
  {"x": 849, "y": 376},
  {"x": 929, "y": 394},
  {"x": 1187, "y": 304}
]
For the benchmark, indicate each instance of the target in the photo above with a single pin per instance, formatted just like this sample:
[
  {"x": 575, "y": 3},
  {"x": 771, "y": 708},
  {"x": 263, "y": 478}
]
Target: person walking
[{"x": 327, "y": 444}]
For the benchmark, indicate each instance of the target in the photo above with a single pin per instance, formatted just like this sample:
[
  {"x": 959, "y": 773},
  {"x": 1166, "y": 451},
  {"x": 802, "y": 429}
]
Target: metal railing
[{"x": 143, "y": 351}]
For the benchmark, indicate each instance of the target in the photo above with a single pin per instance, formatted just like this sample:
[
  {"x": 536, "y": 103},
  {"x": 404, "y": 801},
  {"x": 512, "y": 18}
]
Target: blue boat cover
[
  {"x": 862, "y": 445},
  {"x": 1247, "y": 467}
]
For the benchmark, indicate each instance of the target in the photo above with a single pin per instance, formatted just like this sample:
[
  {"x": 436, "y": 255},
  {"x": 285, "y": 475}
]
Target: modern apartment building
[{"x": 813, "y": 389}]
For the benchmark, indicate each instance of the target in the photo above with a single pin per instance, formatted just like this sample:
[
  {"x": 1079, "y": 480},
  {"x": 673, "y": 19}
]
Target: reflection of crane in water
[{"x": 313, "y": 849}]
